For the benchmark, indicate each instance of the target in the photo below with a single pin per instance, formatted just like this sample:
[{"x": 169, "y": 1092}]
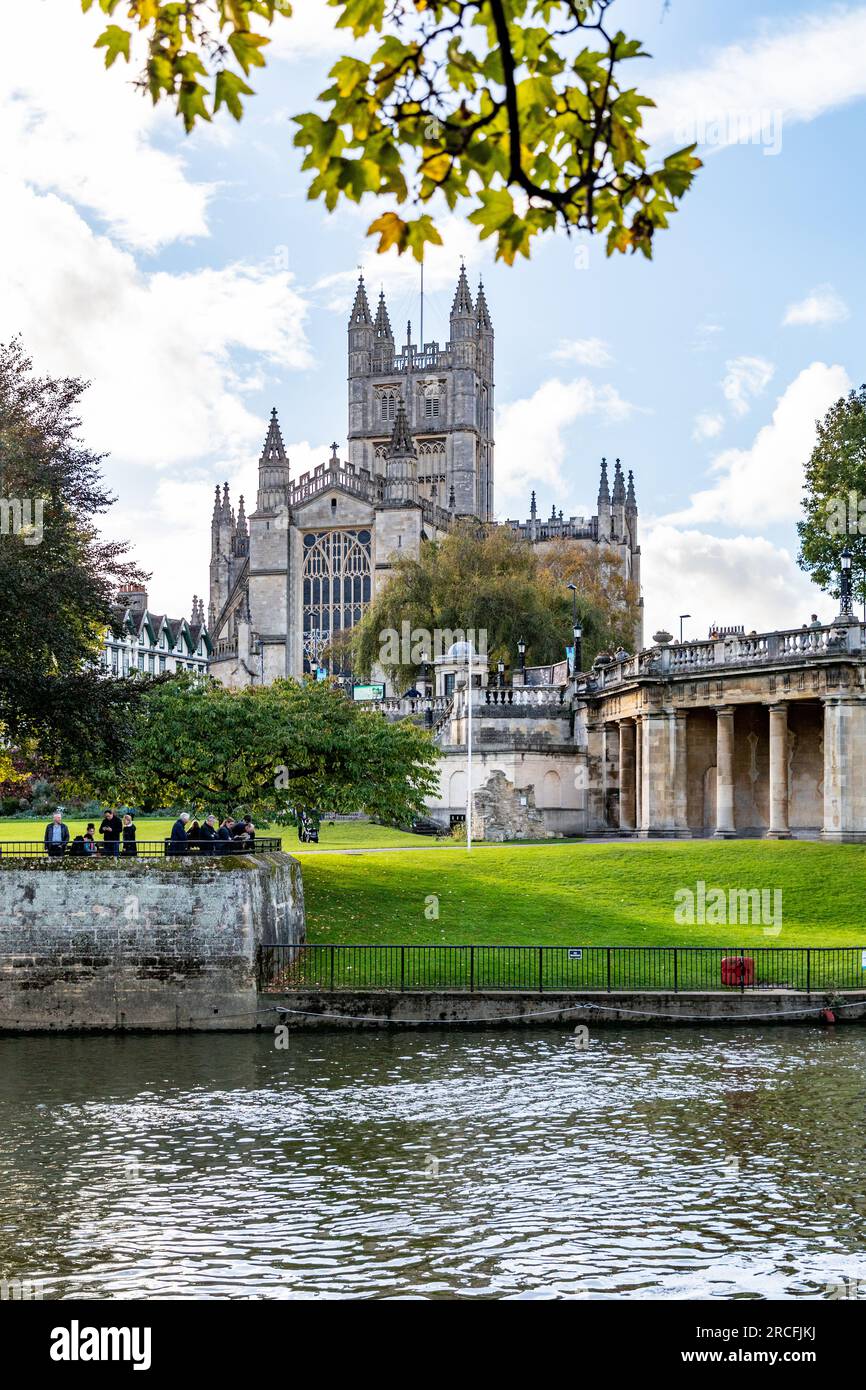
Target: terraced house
[{"x": 153, "y": 643}]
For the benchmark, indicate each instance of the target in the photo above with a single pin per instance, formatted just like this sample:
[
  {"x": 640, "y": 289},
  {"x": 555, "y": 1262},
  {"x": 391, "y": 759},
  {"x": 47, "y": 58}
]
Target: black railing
[
  {"x": 141, "y": 849},
  {"x": 823, "y": 969}
]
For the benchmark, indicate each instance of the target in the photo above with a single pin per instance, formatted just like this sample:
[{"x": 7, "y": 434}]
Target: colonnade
[{"x": 651, "y": 754}]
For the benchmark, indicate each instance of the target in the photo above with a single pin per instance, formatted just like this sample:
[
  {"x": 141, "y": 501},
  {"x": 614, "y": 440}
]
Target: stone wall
[
  {"x": 501, "y": 811},
  {"x": 154, "y": 944}
]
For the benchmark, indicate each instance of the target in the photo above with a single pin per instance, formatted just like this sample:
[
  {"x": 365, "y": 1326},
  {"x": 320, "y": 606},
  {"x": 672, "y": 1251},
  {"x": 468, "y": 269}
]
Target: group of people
[
  {"x": 210, "y": 836},
  {"x": 118, "y": 836}
]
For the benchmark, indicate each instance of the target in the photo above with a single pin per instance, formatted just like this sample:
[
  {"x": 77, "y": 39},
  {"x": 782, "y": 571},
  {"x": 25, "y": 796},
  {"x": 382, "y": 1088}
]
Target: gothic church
[{"x": 307, "y": 561}]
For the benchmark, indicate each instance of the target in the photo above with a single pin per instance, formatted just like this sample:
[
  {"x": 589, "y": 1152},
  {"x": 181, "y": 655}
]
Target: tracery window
[
  {"x": 388, "y": 405},
  {"x": 337, "y": 587}
]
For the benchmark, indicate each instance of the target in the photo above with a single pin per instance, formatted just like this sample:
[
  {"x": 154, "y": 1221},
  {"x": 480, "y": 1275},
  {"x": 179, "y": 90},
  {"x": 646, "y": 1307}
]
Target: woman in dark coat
[{"x": 129, "y": 845}]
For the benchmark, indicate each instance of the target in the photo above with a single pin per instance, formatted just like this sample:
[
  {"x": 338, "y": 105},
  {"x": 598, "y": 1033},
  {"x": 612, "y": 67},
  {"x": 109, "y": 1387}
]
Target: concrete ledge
[{"x": 308, "y": 1009}]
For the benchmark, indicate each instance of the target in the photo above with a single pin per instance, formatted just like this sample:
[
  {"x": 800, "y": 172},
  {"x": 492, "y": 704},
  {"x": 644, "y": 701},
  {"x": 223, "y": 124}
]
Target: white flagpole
[{"x": 469, "y": 753}]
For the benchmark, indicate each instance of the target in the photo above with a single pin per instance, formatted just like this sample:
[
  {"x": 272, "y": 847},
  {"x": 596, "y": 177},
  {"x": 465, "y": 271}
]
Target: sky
[{"x": 192, "y": 283}]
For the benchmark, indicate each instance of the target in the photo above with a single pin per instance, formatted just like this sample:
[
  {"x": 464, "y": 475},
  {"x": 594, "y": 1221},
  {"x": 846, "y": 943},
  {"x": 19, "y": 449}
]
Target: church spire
[
  {"x": 401, "y": 445},
  {"x": 618, "y": 486},
  {"x": 482, "y": 313},
  {"x": 360, "y": 309},
  {"x": 242, "y": 520},
  {"x": 462, "y": 299},
  {"x": 273, "y": 470},
  {"x": 603, "y": 489},
  {"x": 630, "y": 499},
  {"x": 382, "y": 326}
]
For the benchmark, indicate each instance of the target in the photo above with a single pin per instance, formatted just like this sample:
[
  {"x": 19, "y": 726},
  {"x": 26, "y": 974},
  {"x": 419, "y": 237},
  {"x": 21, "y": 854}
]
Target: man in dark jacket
[
  {"x": 208, "y": 834},
  {"x": 177, "y": 842},
  {"x": 110, "y": 830},
  {"x": 56, "y": 835}
]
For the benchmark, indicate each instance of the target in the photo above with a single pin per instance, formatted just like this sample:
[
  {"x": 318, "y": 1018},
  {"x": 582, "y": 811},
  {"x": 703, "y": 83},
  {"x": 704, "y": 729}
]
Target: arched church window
[
  {"x": 337, "y": 588},
  {"x": 388, "y": 405}
]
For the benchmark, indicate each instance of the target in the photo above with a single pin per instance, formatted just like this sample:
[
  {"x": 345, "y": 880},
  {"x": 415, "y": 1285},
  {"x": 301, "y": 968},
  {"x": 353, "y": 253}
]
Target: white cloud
[
  {"x": 707, "y": 426},
  {"x": 752, "y": 89},
  {"x": 310, "y": 32},
  {"x": 586, "y": 352},
  {"x": 70, "y": 127},
  {"x": 758, "y": 486},
  {"x": 745, "y": 378},
  {"x": 531, "y": 447},
  {"x": 726, "y": 580},
  {"x": 821, "y": 305}
]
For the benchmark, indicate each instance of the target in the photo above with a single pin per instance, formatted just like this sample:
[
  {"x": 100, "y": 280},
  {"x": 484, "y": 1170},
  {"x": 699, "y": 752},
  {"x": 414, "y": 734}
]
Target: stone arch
[
  {"x": 552, "y": 791},
  {"x": 457, "y": 789}
]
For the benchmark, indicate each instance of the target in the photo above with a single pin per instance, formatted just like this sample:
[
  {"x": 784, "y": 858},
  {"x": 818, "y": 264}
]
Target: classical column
[
  {"x": 658, "y": 773},
  {"x": 844, "y": 768},
  {"x": 724, "y": 771},
  {"x": 638, "y": 772},
  {"x": 626, "y": 776},
  {"x": 778, "y": 827},
  {"x": 681, "y": 769}
]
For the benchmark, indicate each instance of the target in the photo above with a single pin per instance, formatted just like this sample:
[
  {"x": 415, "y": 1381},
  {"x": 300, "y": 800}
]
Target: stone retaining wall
[{"x": 153, "y": 944}]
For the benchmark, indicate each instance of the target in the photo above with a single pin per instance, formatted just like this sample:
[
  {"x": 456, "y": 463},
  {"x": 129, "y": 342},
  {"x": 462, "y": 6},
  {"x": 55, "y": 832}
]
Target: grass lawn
[{"x": 620, "y": 894}]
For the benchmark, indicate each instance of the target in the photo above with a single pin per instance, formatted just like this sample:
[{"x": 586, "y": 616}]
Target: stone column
[
  {"x": 778, "y": 827},
  {"x": 658, "y": 773},
  {"x": 638, "y": 772},
  {"x": 681, "y": 772},
  {"x": 724, "y": 772},
  {"x": 844, "y": 768},
  {"x": 626, "y": 776}
]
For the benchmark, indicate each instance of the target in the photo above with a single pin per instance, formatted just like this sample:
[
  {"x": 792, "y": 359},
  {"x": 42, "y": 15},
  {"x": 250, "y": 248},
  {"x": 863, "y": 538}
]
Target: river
[{"x": 465, "y": 1164}]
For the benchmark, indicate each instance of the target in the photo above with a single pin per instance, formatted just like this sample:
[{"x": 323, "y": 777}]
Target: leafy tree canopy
[
  {"x": 834, "y": 496},
  {"x": 57, "y": 576},
  {"x": 486, "y": 578},
  {"x": 521, "y": 110},
  {"x": 273, "y": 748}
]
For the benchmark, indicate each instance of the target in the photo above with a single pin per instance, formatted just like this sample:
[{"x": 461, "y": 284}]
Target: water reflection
[{"x": 464, "y": 1164}]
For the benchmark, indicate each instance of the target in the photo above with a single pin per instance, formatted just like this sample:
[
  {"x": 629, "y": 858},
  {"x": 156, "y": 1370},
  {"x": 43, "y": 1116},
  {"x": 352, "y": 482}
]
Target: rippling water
[{"x": 463, "y": 1164}]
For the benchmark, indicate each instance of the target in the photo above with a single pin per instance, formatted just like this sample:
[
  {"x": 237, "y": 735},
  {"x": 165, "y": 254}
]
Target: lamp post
[
  {"x": 576, "y": 630},
  {"x": 683, "y": 615},
  {"x": 845, "y": 585},
  {"x": 500, "y": 670},
  {"x": 521, "y": 648}
]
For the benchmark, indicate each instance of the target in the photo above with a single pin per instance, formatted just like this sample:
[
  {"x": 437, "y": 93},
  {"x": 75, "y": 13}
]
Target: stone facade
[
  {"x": 309, "y": 559},
  {"x": 758, "y": 735},
  {"x": 501, "y": 811},
  {"x": 118, "y": 944}
]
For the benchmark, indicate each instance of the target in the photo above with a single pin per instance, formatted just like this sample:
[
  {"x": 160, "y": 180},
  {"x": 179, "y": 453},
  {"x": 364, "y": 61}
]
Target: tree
[
  {"x": 485, "y": 579},
  {"x": 273, "y": 749},
  {"x": 518, "y": 108},
  {"x": 57, "y": 577},
  {"x": 834, "y": 496},
  {"x": 608, "y": 601}
]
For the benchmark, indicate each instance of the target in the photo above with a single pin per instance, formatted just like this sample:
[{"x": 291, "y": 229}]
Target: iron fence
[
  {"x": 822, "y": 969},
  {"x": 141, "y": 849}
]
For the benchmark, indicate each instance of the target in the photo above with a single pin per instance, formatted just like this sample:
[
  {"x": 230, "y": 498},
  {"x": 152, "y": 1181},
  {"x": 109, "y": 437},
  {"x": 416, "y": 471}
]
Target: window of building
[
  {"x": 388, "y": 405},
  {"x": 337, "y": 587}
]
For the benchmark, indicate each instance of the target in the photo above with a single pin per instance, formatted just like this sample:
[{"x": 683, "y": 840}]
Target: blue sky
[{"x": 190, "y": 280}]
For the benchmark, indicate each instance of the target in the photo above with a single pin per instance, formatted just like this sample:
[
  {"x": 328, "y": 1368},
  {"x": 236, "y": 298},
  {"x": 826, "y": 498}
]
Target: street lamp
[
  {"x": 577, "y": 630},
  {"x": 683, "y": 615},
  {"x": 468, "y": 745},
  {"x": 845, "y": 585},
  {"x": 500, "y": 667}
]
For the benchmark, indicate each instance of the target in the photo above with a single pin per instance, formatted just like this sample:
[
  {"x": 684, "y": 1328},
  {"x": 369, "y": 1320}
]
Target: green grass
[{"x": 620, "y": 893}]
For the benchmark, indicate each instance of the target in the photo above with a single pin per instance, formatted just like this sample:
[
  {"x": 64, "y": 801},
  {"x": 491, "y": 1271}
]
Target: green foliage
[
  {"x": 57, "y": 578},
  {"x": 518, "y": 109},
  {"x": 486, "y": 578},
  {"x": 271, "y": 748},
  {"x": 834, "y": 496}
]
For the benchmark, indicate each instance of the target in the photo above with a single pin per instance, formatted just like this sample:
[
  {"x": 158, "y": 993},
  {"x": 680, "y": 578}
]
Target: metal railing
[
  {"x": 142, "y": 849},
  {"x": 537, "y": 969}
]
